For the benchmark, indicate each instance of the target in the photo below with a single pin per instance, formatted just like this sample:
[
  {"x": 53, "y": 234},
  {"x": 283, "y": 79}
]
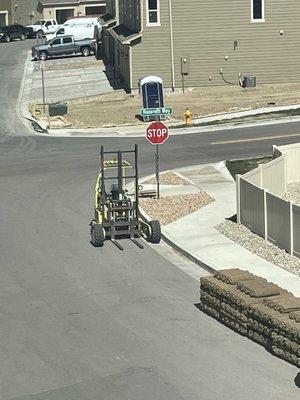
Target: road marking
[{"x": 256, "y": 139}]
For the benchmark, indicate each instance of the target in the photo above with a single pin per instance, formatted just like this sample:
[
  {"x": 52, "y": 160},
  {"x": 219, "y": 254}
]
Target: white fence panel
[
  {"x": 292, "y": 154},
  {"x": 254, "y": 176},
  {"x": 274, "y": 179}
]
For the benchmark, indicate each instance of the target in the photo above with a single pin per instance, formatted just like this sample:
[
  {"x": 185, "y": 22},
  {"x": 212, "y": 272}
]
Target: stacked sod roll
[{"x": 256, "y": 308}]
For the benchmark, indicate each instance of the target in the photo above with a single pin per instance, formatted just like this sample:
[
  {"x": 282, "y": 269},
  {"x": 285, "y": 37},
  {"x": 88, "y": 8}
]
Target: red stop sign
[{"x": 157, "y": 133}]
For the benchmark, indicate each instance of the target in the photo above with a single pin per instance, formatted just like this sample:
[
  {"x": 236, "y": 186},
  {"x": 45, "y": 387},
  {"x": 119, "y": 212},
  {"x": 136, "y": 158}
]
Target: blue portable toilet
[{"x": 152, "y": 93}]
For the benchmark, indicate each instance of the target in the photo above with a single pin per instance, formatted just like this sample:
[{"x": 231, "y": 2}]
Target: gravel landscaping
[
  {"x": 168, "y": 178},
  {"x": 293, "y": 193},
  {"x": 257, "y": 245},
  {"x": 169, "y": 209}
]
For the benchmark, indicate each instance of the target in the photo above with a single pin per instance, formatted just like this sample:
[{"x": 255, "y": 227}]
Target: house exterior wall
[
  {"x": 5, "y": 11},
  {"x": 261, "y": 50},
  {"x": 111, "y": 7},
  {"x": 26, "y": 12},
  {"x": 204, "y": 32},
  {"x": 130, "y": 11},
  {"x": 49, "y": 12},
  {"x": 152, "y": 56}
]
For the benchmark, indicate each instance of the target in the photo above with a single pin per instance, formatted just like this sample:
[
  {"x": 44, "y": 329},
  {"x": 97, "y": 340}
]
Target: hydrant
[{"x": 188, "y": 117}]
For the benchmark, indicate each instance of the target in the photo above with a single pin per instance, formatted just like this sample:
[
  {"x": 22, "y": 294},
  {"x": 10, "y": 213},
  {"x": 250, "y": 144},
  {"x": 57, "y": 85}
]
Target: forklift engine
[{"x": 117, "y": 212}]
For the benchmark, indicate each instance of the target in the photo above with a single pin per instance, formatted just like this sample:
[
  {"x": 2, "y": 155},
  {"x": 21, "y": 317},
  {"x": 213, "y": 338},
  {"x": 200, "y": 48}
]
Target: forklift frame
[{"x": 116, "y": 213}]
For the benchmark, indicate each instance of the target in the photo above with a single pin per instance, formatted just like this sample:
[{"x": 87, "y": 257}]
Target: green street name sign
[{"x": 150, "y": 112}]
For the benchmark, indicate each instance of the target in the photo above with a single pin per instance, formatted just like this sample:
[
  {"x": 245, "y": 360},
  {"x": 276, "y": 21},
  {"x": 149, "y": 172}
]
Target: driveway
[{"x": 68, "y": 78}]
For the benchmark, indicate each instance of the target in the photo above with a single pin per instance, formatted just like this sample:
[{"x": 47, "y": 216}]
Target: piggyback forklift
[{"x": 117, "y": 212}]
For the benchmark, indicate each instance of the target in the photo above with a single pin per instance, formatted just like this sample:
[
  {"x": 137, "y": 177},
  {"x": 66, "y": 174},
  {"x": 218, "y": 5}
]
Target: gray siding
[{"x": 111, "y": 7}]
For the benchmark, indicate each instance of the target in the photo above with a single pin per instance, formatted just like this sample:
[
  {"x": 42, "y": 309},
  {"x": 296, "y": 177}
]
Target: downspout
[
  {"x": 130, "y": 67},
  {"x": 172, "y": 46}
]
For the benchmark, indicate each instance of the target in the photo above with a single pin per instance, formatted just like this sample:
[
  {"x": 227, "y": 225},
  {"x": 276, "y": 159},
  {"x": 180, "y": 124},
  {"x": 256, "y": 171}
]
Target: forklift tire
[
  {"x": 155, "y": 232},
  {"x": 97, "y": 235}
]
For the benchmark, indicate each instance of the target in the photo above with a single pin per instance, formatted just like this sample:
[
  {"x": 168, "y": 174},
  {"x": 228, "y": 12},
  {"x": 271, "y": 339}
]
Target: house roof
[
  {"x": 124, "y": 34},
  {"x": 107, "y": 19},
  {"x": 62, "y": 2}
]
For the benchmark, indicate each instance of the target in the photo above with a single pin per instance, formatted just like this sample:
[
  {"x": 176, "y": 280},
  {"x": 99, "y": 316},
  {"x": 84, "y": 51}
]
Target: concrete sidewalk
[{"x": 196, "y": 236}]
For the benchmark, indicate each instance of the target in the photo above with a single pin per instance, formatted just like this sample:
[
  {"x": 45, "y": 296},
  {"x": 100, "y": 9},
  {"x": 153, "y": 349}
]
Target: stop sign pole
[
  {"x": 157, "y": 133},
  {"x": 157, "y": 170}
]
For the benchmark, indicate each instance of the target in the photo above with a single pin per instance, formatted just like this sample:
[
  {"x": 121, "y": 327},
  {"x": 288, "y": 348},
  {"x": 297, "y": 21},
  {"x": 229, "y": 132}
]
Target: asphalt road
[{"x": 82, "y": 323}]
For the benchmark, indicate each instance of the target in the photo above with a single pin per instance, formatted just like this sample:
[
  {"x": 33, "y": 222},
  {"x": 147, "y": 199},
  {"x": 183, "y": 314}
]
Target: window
[
  {"x": 153, "y": 14},
  {"x": 61, "y": 31},
  {"x": 55, "y": 42},
  {"x": 67, "y": 40},
  {"x": 257, "y": 10}
]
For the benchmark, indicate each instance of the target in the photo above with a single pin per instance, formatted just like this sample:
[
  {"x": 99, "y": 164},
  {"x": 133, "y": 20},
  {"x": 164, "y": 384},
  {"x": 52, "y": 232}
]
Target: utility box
[
  {"x": 185, "y": 66},
  {"x": 249, "y": 81},
  {"x": 151, "y": 88},
  {"x": 57, "y": 109}
]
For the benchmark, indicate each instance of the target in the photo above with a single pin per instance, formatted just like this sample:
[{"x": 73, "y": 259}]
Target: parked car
[
  {"x": 83, "y": 20},
  {"x": 79, "y": 32},
  {"x": 44, "y": 26},
  {"x": 12, "y": 32},
  {"x": 62, "y": 46},
  {"x": 30, "y": 34}
]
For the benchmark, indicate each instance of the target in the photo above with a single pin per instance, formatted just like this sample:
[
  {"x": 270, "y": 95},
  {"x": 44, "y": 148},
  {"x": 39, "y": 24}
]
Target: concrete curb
[
  {"x": 198, "y": 125},
  {"x": 173, "y": 244},
  {"x": 242, "y": 113},
  {"x": 24, "y": 98}
]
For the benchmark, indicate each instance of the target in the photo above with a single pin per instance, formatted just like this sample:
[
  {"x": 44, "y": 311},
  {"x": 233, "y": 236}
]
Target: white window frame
[
  {"x": 256, "y": 20},
  {"x": 6, "y": 16},
  {"x": 148, "y": 23}
]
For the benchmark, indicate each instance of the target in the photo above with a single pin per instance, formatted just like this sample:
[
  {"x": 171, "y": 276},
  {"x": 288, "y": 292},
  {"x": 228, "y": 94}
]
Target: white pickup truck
[{"x": 44, "y": 26}]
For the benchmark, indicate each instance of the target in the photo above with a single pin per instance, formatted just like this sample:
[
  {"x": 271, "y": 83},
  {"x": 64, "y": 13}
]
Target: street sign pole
[
  {"x": 157, "y": 171},
  {"x": 157, "y": 133},
  {"x": 157, "y": 163},
  {"x": 43, "y": 86}
]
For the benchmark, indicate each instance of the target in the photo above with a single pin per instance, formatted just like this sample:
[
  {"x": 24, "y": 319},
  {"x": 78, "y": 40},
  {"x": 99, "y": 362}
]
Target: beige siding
[
  {"x": 207, "y": 34},
  {"x": 205, "y": 31},
  {"x": 152, "y": 56}
]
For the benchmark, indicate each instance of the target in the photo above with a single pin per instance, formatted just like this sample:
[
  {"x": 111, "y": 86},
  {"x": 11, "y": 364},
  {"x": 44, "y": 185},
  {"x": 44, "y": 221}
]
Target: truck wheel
[
  {"x": 43, "y": 55},
  {"x": 23, "y": 37},
  {"x": 97, "y": 235},
  {"x": 85, "y": 51},
  {"x": 155, "y": 232},
  {"x": 40, "y": 34},
  {"x": 7, "y": 39}
]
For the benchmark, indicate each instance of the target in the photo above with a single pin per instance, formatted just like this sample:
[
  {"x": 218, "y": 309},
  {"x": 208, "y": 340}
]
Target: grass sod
[{"x": 240, "y": 167}]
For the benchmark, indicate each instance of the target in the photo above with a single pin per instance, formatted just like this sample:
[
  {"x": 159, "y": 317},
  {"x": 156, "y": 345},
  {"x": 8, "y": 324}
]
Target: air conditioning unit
[{"x": 249, "y": 81}]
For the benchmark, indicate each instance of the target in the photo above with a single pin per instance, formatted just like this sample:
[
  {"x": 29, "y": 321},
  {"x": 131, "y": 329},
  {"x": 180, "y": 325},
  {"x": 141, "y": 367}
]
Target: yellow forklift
[{"x": 117, "y": 212}]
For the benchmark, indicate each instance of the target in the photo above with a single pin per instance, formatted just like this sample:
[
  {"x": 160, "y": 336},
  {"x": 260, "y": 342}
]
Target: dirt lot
[{"x": 118, "y": 108}]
